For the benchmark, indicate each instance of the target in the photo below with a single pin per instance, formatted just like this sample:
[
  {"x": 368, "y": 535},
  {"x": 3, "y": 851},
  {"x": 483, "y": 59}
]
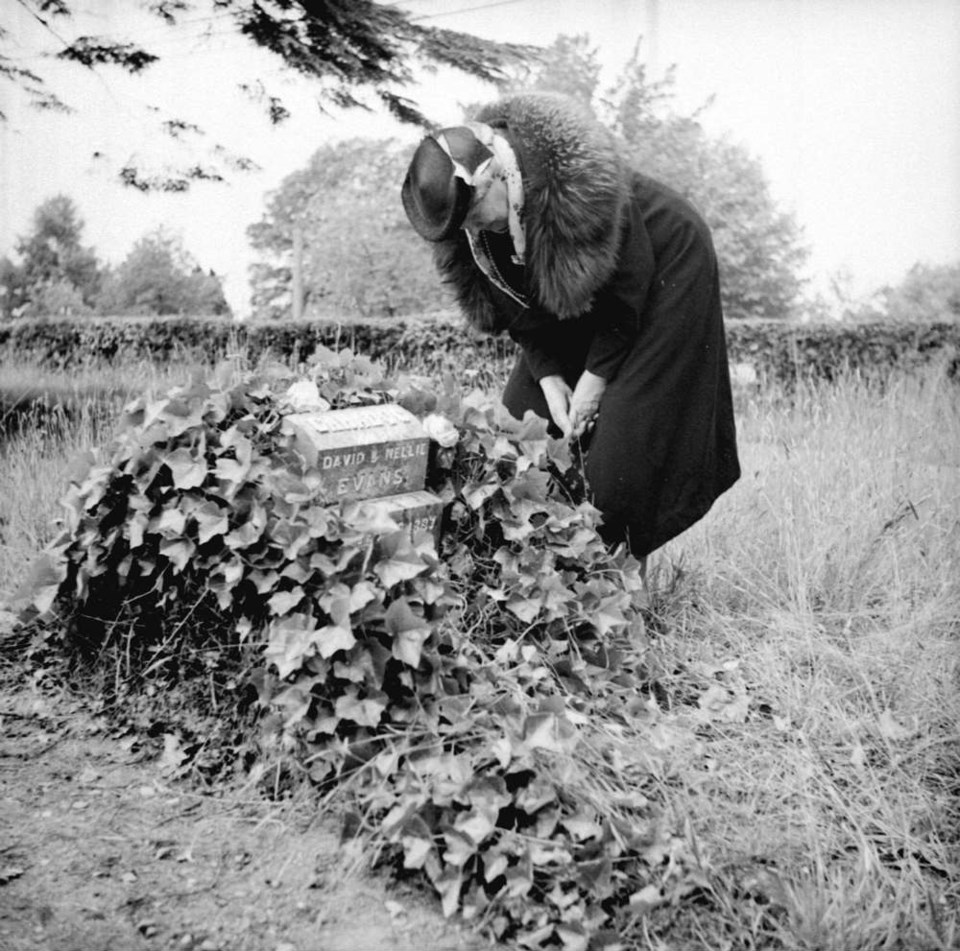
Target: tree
[
  {"x": 928, "y": 293},
  {"x": 358, "y": 53},
  {"x": 159, "y": 276},
  {"x": 568, "y": 66},
  {"x": 52, "y": 256},
  {"x": 759, "y": 245},
  {"x": 360, "y": 255},
  {"x": 12, "y": 297}
]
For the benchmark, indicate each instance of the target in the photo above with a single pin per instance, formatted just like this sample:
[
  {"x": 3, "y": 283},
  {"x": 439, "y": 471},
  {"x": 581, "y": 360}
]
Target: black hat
[{"x": 435, "y": 198}]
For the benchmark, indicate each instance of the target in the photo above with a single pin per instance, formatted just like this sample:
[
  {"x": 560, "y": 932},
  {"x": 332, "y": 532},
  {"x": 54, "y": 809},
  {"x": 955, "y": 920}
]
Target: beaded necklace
[{"x": 486, "y": 262}]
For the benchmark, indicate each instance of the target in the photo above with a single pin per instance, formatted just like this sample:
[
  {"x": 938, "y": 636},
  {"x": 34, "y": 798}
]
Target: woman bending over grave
[{"x": 608, "y": 280}]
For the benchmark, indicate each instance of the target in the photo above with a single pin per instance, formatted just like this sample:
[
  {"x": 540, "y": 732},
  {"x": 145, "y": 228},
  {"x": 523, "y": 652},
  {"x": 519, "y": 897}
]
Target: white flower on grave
[
  {"x": 441, "y": 430},
  {"x": 303, "y": 397}
]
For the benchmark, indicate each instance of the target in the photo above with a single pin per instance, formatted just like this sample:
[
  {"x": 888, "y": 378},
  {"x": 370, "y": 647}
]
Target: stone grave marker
[{"x": 375, "y": 453}]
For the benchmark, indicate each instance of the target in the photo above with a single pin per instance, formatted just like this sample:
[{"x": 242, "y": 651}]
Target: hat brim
[{"x": 456, "y": 199}]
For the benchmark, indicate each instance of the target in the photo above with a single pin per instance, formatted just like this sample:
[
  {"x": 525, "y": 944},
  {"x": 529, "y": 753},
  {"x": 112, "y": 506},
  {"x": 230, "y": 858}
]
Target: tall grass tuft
[
  {"x": 48, "y": 418},
  {"x": 825, "y": 589}
]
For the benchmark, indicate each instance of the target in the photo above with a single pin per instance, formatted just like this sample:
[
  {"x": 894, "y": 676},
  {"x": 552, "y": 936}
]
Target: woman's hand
[
  {"x": 557, "y": 393},
  {"x": 585, "y": 402}
]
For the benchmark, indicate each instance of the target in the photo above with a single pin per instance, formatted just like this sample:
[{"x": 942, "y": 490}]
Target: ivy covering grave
[{"x": 476, "y": 707}]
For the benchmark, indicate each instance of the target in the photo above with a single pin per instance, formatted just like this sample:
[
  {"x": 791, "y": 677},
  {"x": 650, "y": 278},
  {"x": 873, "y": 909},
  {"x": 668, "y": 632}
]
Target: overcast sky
[{"x": 853, "y": 106}]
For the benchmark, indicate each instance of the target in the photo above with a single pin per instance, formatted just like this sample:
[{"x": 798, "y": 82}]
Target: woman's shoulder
[{"x": 664, "y": 209}]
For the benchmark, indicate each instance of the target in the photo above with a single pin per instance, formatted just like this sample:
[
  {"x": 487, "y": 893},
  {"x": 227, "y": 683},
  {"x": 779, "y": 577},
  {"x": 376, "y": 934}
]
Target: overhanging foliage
[{"x": 358, "y": 53}]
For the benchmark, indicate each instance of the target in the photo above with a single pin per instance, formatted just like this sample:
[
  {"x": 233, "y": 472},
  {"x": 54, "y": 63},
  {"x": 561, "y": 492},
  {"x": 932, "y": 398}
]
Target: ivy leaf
[
  {"x": 402, "y": 814},
  {"x": 360, "y": 595},
  {"x": 549, "y": 731},
  {"x": 370, "y": 517},
  {"x": 178, "y": 415},
  {"x": 448, "y": 883},
  {"x": 42, "y": 584},
  {"x": 289, "y": 641},
  {"x": 333, "y": 567},
  {"x": 417, "y": 399},
  {"x": 178, "y": 551},
  {"x": 291, "y": 537},
  {"x": 338, "y": 635},
  {"x": 365, "y": 712},
  {"x": 285, "y": 485},
  {"x": 524, "y": 608},
  {"x": 415, "y": 850},
  {"x": 249, "y": 531},
  {"x": 263, "y": 581},
  {"x": 478, "y": 493},
  {"x": 297, "y": 571},
  {"x": 520, "y": 877},
  {"x": 211, "y": 521},
  {"x": 609, "y": 615},
  {"x": 460, "y": 848},
  {"x": 532, "y": 436},
  {"x": 399, "y": 560},
  {"x": 333, "y": 638},
  {"x": 582, "y": 827},
  {"x": 377, "y": 656},
  {"x": 171, "y": 523},
  {"x": 283, "y": 602},
  {"x": 231, "y": 473},
  {"x": 533, "y": 485},
  {"x": 409, "y": 632},
  {"x": 136, "y": 526},
  {"x": 555, "y": 596},
  {"x": 188, "y": 472},
  {"x": 494, "y": 865},
  {"x": 645, "y": 900},
  {"x": 293, "y": 702},
  {"x": 595, "y": 876},
  {"x": 477, "y": 824},
  {"x": 560, "y": 455},
  {"x": 94, "y": 487},
  {"x": 230, "y": 569},
  {"x": 573, "y": 936}
]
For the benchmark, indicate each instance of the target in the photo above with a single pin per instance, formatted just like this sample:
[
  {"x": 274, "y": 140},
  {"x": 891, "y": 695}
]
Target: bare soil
[{"x": 99, "y": 850}]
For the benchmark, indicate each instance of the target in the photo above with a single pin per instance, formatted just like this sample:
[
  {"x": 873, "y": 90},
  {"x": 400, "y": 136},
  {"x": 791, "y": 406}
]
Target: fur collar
[{"x": 575, "y": 191}]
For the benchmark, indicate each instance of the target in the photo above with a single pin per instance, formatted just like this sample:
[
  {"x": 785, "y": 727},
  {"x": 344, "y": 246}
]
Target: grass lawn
[
  {"x": 803, "y": 651},
  {"x": 816, "y": 615}
]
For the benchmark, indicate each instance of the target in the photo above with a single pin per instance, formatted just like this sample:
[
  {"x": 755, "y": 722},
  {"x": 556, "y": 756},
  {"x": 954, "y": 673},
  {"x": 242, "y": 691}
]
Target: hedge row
[
  {"x": 778, "y": 350},
  {"x": 786, "y": 351}
]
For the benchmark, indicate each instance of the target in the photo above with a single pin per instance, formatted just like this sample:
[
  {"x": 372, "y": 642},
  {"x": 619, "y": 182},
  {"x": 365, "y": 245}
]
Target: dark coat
[{"x": 620, "y": 278}]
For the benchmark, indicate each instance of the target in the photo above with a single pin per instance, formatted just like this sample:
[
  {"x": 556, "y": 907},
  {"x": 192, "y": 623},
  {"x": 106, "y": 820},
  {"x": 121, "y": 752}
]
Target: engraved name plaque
[{"x": 362, "y": 452}]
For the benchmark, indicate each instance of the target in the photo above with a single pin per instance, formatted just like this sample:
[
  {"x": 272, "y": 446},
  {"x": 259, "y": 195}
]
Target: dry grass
[
  {"x": 804, "y": 646},
  {"x": 60, "y": 416},
  {"x": 825, "y": 589}
]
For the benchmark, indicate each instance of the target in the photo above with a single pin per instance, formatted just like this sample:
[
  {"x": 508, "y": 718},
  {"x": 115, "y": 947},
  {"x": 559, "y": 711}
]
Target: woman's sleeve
[
  {"x": 535, "y": 333},
  {"x": 617, "y": 326}
]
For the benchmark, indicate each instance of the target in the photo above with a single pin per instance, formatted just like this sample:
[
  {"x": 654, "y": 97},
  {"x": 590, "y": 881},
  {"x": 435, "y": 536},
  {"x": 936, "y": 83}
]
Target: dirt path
[{"x": 99, "y": 851}]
